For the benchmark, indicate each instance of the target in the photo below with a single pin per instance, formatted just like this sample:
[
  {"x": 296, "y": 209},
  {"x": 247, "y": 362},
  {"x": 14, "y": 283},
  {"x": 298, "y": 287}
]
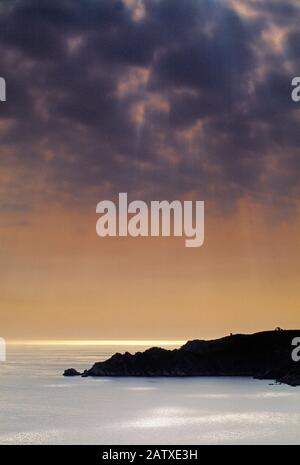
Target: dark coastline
[{"x": 264, "y": 355}]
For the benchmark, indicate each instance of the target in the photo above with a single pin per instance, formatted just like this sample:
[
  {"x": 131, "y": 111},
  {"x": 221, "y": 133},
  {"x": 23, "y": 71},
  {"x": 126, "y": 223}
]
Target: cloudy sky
[{"x": 163, "y": 99}]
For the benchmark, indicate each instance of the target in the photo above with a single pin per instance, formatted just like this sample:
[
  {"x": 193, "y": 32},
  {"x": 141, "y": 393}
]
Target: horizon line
[{"x": 96, "y": 342}]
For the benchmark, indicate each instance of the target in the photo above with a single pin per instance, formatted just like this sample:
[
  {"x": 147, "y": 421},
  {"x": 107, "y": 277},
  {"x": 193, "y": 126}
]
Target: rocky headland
[{"x": 264, "y": 355}]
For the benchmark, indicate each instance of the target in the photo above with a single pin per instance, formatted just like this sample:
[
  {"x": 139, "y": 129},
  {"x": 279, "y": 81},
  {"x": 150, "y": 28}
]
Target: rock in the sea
[{"x": 71, "y": 372}]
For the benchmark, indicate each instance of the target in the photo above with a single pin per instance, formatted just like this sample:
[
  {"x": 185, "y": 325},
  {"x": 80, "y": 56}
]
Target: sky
[{"x": 163, "y": 99}]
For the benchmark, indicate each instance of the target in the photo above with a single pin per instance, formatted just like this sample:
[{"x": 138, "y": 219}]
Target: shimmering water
[{"x": 39, "y": 406}]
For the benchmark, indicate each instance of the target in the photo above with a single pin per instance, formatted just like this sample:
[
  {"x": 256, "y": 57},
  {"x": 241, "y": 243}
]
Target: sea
[{"x": 40, "y": 406}]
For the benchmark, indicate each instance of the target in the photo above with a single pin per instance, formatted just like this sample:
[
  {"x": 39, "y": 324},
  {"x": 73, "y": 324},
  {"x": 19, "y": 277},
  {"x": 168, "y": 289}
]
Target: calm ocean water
[{"x": 39, "y": 406}]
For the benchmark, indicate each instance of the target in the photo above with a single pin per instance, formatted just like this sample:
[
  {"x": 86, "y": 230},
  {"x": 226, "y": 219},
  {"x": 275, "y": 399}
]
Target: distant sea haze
[{"x": 98, "y": 342}]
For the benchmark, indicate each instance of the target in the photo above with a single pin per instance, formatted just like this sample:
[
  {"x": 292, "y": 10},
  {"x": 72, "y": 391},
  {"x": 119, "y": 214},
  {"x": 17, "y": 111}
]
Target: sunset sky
[{"x": 163, "y": 99}]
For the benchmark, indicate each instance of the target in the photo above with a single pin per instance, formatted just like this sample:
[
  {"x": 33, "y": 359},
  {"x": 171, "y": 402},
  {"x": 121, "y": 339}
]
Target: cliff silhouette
[{"x": 264, "y": 355}]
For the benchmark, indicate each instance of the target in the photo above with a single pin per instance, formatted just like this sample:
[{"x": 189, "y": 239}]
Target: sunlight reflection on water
[{"x": 39, "y": 406}]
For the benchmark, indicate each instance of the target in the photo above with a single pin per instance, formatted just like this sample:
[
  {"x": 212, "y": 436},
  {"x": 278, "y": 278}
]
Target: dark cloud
[{"x": 175, "y": 97}]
